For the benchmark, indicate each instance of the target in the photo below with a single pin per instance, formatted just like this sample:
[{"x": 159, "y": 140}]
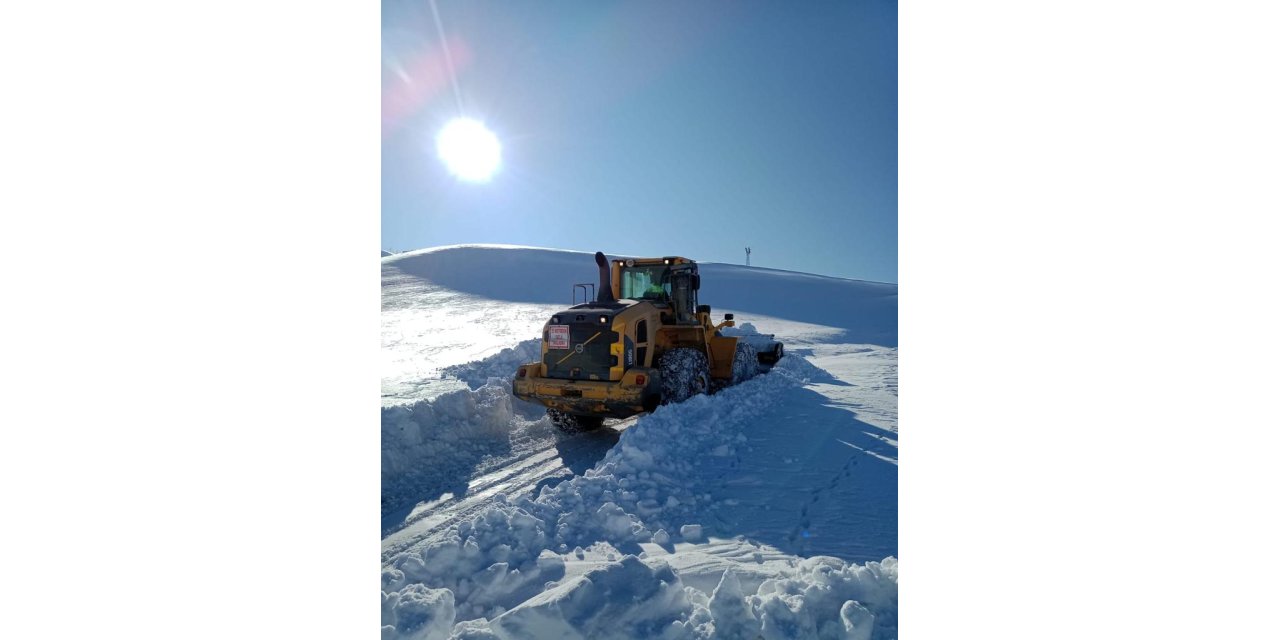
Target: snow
[
  {"x": 500, "y": 365},
  {"x": 730, "y": 610},
  {"x": 783, "y": 489},
  {"x": 816, "y": 601},
  {"x": 624, "y": 599},
  {"x": 432, "y": 440},
  {"x": 418, "y": 613}
]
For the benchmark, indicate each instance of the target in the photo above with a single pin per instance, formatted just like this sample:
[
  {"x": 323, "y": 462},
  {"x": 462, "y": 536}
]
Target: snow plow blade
[{"x": 768, "y": 349}]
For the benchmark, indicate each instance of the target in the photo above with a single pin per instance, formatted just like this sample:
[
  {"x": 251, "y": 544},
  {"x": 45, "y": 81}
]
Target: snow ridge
[
  {"x": 428, "y": 442},
  {"x": 442, "y": 438},
  {"x": 500, "y": 365}
]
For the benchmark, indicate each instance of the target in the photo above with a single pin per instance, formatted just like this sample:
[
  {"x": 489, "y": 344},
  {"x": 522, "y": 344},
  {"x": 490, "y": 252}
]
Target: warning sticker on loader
[{"x": 558, "y": 336}]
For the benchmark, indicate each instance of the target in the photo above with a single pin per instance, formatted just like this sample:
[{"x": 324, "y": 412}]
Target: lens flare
[{"x": 469, "y": 149}]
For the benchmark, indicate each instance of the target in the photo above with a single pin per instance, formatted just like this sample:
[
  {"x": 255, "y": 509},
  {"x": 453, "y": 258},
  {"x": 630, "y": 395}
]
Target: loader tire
[
  {"x": 746, "y": 363},
  {"x": 685, "y": 373},
  {"x": 572, "y": 423}
]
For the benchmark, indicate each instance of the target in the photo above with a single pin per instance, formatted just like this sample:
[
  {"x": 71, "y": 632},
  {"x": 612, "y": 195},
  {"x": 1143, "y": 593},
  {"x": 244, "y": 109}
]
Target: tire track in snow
[{"x": 513, "y": 481}]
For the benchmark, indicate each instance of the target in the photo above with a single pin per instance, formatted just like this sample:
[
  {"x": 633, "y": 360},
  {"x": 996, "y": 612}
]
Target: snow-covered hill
[
  {"x": 867, "y": 311},
  {"x": 767, "y": 509}
]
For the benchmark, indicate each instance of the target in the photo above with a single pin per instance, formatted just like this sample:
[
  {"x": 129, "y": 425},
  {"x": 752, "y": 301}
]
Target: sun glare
[{"x": 470, "y": 150}]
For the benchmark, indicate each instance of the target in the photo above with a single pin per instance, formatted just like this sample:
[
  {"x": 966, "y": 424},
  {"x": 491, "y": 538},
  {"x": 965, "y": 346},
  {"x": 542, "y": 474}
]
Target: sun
[{"x": 469, "y": 150}]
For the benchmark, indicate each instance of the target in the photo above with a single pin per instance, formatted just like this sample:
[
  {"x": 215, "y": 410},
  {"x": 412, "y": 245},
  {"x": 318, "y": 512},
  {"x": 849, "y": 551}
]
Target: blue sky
[{"x": 651, "y": 128}]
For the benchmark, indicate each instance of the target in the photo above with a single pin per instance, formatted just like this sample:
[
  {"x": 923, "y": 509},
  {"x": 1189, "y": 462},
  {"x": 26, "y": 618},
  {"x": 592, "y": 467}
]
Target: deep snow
[{"x": 768, "y": 508}]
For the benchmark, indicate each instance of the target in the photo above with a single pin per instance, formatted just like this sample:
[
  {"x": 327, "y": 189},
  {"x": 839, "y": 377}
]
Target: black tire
[
  {"x": 685, "y": 373},
  {"x": 746, "y": 363},
  {"x": 573, "y": 423},
  {"x": 651, "y": 403}
]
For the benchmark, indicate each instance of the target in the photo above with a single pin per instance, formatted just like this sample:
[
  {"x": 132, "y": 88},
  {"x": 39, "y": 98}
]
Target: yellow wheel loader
[{"x": 650, "y": 344}]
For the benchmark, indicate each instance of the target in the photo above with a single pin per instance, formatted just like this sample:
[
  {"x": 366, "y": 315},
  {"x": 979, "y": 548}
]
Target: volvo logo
[{"x": 578, "y": 347}]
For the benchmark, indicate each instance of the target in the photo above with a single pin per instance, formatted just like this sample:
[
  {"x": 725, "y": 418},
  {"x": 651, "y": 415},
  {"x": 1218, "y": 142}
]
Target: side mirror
[
  {"x": 697, "y": 282},
  {"x": 728, "y": 316}
]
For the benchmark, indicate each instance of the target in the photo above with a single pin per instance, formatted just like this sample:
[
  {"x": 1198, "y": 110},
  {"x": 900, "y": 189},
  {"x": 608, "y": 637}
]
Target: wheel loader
[{"x": 628, "y": 352}]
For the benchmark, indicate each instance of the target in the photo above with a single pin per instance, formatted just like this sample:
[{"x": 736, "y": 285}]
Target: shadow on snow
[
  {"x": 579, "y": 453},
  {"x": 805, "y": 483}
]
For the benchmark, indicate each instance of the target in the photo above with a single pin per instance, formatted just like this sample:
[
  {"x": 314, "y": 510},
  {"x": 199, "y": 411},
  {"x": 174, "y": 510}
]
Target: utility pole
[{"x": 748, "y": 256}]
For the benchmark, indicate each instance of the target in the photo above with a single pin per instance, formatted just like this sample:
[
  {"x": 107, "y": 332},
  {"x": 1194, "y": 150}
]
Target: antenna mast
[{"x": 748, "y": 256}]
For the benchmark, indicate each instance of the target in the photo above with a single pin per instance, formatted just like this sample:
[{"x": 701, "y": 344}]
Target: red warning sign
[{"x": 558, "y": 336}]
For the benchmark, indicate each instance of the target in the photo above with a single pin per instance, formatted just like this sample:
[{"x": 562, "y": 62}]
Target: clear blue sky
[{"x": 652, "y": 128}]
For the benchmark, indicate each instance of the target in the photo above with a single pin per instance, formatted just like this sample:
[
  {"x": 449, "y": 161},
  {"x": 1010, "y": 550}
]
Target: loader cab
[{"x": 670, "y": 283}]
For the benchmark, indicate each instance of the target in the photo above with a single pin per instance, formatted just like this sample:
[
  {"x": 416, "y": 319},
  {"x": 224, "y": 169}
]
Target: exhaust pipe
[{"x": 605, "y": 291}]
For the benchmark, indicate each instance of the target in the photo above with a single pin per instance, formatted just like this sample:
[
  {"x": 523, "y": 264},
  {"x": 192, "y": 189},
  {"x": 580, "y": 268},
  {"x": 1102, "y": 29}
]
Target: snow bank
[
  {"x": 626, "y": 599},
  {"x": 651, "y": 479},
  {"x": 731, "y": 615},
  {"x": 647, "y": 485},
  {"x": 648, "y": 480},
  {"x": 500, "y": 365},
  {"x": 492, "y": 562},
  {"x": 437, "y": 441},
  {"x": 828, "y": 599},
  {"x": 822, "y": 598},
  {"x": 417, "y": 613}
]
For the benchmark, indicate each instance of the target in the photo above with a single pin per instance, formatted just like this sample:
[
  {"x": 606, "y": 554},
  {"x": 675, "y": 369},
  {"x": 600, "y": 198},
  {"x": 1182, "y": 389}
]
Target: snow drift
[
  {"x": 500, "y": 365},
  {"x": 435, "y": 441}
]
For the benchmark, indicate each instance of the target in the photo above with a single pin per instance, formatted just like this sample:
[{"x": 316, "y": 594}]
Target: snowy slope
[{"x": 768, "y": 509}]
